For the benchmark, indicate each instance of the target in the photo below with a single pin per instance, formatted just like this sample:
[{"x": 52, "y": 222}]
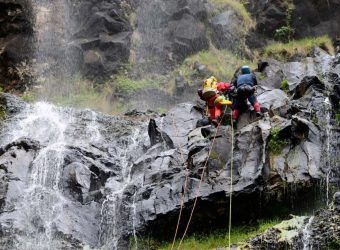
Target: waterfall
[
  {"x": 42, "y": 202},
  {"x": 114, "y": 213},
  {"x": 328, "y": 147},
  {"x": 41, "y": 207},
  {"x": 307, "y": 235}
]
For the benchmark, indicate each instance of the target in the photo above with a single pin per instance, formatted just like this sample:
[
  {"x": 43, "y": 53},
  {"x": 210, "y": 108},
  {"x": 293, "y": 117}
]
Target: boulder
[
  {"x": 228, "y": 27},
  {"x": 188, "y": 36},
  {"x": 273, "y": 101}
]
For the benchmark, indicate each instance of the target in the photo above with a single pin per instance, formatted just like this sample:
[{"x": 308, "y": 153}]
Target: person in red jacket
[{"x": 212, "y": 92}]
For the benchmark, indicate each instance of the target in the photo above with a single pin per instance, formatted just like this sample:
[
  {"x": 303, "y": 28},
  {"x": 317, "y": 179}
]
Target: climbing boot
[
  {"x": 216, "y": 121},
  {"x": 259, "y": 114}
]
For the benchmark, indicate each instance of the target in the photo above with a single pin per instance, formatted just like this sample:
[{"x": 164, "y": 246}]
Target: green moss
[
  {"x": 217, "y": 239},
  {"x": 304, "y": 47},
  {"x": 28, "y": 97},
  {"x": 261, "y": 77},
  {"x": 337, "y": 117},
  {"x": 2, "y": 112},
  {"x": 276, "y": 144},
  {"x": 284, "y": 85}
]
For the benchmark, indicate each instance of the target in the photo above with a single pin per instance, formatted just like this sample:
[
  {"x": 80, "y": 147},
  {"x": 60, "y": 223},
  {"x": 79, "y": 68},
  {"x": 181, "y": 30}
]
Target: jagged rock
[
  {"x": 181, "y": 85},
  {"x": 15, "y": 44},
  {"x": 228, "y": 30},
  {"x": 308, "y": 18},
  {"x": 178, "y": 31},
  {"x": 273, "y": 101},
  {"x": 273, "y": 75},
  {"x": 321, "y": 231},
  {"x": 282, "y": 236},
  {"x": 188, "y": 36},
  {"x": 201, "y": 68},
  {"x": 305, "y": 84},
  {"x": 11, "y": 104},
  {"x": 102, "y": 38}
]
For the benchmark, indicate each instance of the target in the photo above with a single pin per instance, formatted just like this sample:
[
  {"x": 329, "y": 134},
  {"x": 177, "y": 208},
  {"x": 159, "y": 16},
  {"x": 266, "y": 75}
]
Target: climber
[
  {"x": 246, "y": 85},
  {"x": 213, "y": 93}
]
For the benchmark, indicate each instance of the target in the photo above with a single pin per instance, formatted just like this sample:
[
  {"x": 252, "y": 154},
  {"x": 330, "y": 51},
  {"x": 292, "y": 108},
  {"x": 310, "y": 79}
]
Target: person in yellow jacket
[{"x": 212, "y": 92}]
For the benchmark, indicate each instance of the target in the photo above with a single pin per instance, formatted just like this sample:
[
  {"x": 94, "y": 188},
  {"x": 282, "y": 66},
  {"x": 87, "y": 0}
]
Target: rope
[
  {"x": 185, "y": 186},
  {"x": 201, "y": 180},
  {"x": 231, "y": 179}
]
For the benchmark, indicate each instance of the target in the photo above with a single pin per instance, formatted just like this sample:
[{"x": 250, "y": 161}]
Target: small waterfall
[
  {"x": 307, "y": 235},
  {"x": 42, "y": 203},
  {"x": 114, "y": 213},
  {"x": 328, "y": 147}
]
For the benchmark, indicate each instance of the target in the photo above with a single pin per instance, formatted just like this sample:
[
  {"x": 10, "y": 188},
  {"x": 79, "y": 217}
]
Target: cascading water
[
  {"x": 53, "y": 60},
  {"x": 113, "y": 209},
  {"x": 307, "y": 235},
  {"x": 42, "y": 202},
  {"x": 328, "y": 147},
  {"x": 42, "y": 205}
]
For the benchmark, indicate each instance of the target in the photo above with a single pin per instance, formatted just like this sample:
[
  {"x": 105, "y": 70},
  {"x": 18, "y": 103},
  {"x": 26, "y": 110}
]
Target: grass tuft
[
  {"x": 221, "y": 63},
  {"x": 221, "y": 5},
  {"x": 304, "y": 47},
  {"x": 218, "y": 239},
  {"x": 276, "y": 144}
]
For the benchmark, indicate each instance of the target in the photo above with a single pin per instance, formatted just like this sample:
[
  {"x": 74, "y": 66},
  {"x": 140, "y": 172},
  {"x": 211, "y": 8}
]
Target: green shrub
[
  {"x": 286, "y": 32},
  {"x": 284, "y": 85},
  {"x": 2, "y": 113},
  {"x": 276, "y": 144}
]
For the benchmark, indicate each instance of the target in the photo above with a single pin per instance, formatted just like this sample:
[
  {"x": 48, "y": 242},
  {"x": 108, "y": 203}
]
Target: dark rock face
[
  {"x": 320, "y": 232},
  {"x": 315, "y": 18},
  {"x": 106, "y": 178},
  {"x": 101, "y": 37},
  {"x": 228, "y": 31},
  {"x": 168, "y": 31},
  {"x": 15, "y": 43},
  {"x": 309, "y": 18}
]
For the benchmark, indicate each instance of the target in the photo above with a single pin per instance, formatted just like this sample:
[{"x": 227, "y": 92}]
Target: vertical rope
[
  {"x": 231, "y": 179},
  {"x": 185, "y": 185}
]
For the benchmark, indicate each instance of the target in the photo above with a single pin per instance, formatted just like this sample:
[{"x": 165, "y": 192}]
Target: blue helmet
[{"x": 245, "y": 70}]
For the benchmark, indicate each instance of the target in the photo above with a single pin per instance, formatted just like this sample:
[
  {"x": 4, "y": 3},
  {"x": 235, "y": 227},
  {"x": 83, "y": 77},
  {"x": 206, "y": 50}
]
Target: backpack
[{"x": 209, "y": 88}]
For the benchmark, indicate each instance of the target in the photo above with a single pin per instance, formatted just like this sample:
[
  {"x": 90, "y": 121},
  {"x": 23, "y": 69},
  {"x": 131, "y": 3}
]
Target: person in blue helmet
[{"x": 245, "y": 84}]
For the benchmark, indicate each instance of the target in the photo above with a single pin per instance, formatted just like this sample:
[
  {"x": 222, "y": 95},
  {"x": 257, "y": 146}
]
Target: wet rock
[
  {"x": 181, "y": 85},
  {"x": 337, "y": 201},
  {"x": 273, "y": 101},
  {"x": 102, "y": 38},
  {"x": 273, "y": 75},
  {"x": 308, "y": 18},
  {"x": 10, "y": 104},
  {"x": 305, "y": 84},
  {"x": 188, "y": 36},
  {"x": 201, "y": 68},
  {"x": 228, "y": 26},
  {"x": 16, "y": 35},
  {"x": 282, "y": 236}
]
